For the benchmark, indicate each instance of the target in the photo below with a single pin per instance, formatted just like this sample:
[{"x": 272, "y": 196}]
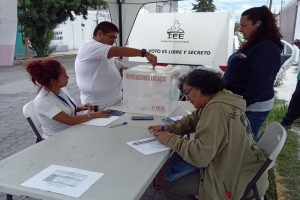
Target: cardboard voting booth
[
  {"x": 175, "y": 38},
  {"x": 185, "y": 38},
  {"x": 151, "y": 92}
]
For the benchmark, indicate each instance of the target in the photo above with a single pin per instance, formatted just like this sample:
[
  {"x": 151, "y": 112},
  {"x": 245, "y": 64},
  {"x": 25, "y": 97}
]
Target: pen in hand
[
  {"x": 152, "y": 131},
  {"x": 124, "y": 123}
]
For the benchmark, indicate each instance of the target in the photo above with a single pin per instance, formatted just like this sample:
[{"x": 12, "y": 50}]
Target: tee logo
[{"x": 175, "y": 32}]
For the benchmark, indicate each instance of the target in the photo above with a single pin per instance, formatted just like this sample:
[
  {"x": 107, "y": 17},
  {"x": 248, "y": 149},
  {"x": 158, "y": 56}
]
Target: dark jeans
[
  {"x": 293, "y": 112},
  {"x": 177, "y": 168},
  {"x": 256, "y": 120},
  {"x": 184, "y": 188}
]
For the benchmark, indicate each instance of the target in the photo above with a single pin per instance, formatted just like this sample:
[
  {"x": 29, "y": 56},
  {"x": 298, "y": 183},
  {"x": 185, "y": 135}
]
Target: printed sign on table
[
  {"x": 8, "y": 30},
  {"x": 184, "y": 38}
]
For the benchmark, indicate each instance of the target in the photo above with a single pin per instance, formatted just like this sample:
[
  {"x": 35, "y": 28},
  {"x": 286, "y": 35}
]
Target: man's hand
[
  {"x": 297, "y": 43},
  {"x": 162, "y": 136},
  {"x": 158, "y": 128},
  {"x": 122, "y": 69},
  {"x": 151, "y": 58},
  {"x": 100, "y": 114},
  {"x": 130, "y": 52}
]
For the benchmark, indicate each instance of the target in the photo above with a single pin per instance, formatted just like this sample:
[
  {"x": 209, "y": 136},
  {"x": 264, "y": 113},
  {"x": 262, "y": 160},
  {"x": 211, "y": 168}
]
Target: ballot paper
[
  {"x": 148, "y": 145},
  {"x": 101, "y": 121},
  {"x": 176, "y": 118},
  {"x": 63, "y": 180}
]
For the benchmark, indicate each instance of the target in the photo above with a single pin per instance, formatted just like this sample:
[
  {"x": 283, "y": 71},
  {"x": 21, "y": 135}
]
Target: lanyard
[{"x": 62, "y": 99}]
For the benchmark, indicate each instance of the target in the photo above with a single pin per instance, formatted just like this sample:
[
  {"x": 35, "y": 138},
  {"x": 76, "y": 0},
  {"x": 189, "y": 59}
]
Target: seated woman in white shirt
[{"x": 54, "y": 105}]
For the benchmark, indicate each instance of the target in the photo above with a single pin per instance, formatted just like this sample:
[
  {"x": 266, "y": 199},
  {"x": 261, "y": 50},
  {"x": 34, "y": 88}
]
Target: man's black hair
[{"x": 105, "y": 27}]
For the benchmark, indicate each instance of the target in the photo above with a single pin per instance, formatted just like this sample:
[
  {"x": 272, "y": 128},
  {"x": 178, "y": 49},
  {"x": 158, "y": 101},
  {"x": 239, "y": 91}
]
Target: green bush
[
  {"x": 288, "y": 164},
  {"x": 39, "y": 18}
]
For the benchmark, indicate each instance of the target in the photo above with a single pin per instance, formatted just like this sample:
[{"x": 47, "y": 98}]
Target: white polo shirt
[
  {"x": 47, "y": 105},
  {"x": 98, "y": 78}
]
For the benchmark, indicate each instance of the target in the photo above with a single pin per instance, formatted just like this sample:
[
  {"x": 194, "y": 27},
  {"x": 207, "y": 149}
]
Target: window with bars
[
  {"x": 159, "y": 9},
  {"x": 175, "y": 6}
]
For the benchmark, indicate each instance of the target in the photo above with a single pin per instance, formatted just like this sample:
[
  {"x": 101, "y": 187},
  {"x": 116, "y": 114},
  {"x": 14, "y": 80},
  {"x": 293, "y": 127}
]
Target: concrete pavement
[
  {"x": 15, "y": 133},
  {"x": 21, "y": 60}
]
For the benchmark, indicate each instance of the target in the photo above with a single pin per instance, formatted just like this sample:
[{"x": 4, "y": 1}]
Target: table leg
[{"x": 9, "y": 197}]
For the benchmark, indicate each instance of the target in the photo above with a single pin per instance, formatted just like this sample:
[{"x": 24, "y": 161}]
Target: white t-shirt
[
  {"x": 98, "y": 78},
  {"x": 47, "y": 105}
]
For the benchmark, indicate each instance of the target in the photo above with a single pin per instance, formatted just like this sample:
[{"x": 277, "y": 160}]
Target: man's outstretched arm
[{"x": 130, "y": 52}]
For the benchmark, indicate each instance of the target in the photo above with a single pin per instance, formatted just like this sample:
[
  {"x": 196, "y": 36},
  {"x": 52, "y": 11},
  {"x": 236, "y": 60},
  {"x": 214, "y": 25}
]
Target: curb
[
  {"x": 56, "y": 57},
  {"x": 280, "y": 188}
]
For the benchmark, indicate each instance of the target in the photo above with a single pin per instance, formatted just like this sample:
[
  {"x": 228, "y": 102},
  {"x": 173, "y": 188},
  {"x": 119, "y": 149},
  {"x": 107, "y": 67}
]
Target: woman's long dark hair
[{"x": 267, "y": 30}]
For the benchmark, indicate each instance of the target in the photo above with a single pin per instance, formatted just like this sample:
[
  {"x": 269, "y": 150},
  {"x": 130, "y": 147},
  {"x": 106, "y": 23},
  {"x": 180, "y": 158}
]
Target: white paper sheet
[
  {"x": 101, "y": 121},
  {"x": 176, "y": 118},
  {"x": 148, "y": 145},
  {"x": 63, "y": 180}
]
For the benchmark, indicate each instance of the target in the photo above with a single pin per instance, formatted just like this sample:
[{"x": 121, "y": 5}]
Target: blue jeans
[
  {"x": 256, "y": 120},
  {"x": 177, "y": 168},
  {"x": 293, "y": 112}
]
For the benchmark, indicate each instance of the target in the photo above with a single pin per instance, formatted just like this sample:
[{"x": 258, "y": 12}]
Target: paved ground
[{"x": 15, "y": 133}]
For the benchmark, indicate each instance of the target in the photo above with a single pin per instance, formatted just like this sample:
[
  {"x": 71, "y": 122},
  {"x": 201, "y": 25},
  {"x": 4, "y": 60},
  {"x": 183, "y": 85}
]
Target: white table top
[{"x": 127, "y": 172}]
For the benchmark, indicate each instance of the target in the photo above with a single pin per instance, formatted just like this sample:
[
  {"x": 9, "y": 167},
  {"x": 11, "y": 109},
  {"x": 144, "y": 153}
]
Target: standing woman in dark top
[{"x": 252, "y": 70}]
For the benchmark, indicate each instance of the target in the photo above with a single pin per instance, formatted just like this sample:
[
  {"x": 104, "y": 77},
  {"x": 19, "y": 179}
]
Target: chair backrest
[
  {"x": 272, "y": 141},
  {"x": 32, "y": 118}
]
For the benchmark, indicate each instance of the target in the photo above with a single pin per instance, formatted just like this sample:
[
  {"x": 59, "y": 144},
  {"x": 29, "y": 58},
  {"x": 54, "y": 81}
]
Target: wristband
[{"x": 144, "y": 51}]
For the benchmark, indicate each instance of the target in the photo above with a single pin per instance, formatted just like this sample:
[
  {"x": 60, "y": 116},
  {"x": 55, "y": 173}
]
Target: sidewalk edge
[{"x": 55, "y": 57}]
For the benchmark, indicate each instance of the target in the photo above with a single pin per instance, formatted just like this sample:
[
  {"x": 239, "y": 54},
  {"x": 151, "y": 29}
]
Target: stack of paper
[
  {"x": 101, "y": 121},
  {"x": 63, "y": 180},
  {"x": 148, "y": 145}
]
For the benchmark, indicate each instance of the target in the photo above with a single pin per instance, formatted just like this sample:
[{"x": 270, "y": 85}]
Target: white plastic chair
[
  {"x": 32, "y": 118},
  {"x": 271, "y": 141}
]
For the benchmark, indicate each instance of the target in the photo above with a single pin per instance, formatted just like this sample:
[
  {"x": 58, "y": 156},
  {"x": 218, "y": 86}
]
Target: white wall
[
  {"x": 297, "y": 31},
  {"x": 151, "y": 7},
  {"x": 71, "y": 34}
]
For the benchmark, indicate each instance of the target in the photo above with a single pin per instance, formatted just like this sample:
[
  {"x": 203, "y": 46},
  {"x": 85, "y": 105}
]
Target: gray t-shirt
[{"x": 47, "y": 105}]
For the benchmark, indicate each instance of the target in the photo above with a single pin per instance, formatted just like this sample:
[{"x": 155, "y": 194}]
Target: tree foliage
[
  {"x": 204, "y": 6},
  {"x": 38, "y": 19},
  {"x": 236, "y": 26}
]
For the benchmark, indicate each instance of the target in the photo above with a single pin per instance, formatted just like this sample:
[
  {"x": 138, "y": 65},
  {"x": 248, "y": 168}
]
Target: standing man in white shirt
[{"x": 98, "y": 78}]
